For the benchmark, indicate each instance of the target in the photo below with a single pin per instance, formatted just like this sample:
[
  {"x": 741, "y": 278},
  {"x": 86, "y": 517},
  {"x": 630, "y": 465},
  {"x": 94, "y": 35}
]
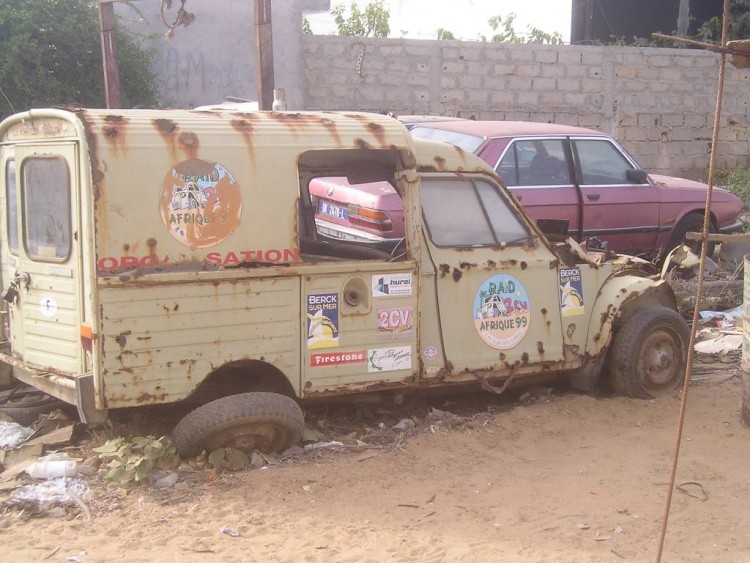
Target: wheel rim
[
  {"x": 660, "y": 362},
  {"x": 265, "y": 438}
]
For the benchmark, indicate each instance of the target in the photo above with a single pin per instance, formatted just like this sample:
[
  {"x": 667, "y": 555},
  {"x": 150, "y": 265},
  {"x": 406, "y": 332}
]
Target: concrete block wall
[{"x": 659, "y": 103}]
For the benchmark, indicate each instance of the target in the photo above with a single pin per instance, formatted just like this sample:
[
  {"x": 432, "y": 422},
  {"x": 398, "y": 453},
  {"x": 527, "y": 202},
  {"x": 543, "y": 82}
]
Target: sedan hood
[{"x": 684, "y": 183}]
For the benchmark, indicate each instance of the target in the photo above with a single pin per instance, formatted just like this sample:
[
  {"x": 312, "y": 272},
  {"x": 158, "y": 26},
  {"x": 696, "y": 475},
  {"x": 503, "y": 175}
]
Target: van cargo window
[
  {"x": 11, "y": 206},
  {"x": 468, "y": 212},
  {"x": 46, "y": 202}
]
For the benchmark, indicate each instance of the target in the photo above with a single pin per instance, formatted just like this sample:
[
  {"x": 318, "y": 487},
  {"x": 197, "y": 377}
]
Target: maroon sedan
[{"x": 585, "y": 178}]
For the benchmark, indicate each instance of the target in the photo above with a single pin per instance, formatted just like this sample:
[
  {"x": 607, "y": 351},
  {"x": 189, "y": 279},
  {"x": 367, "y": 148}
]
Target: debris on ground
[
  {"x": 723, "y": 319},
  {"x": 13, "y": 434}
]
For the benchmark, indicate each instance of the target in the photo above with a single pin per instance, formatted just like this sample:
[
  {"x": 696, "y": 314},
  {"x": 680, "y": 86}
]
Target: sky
[{"x": 466, "y": 19}]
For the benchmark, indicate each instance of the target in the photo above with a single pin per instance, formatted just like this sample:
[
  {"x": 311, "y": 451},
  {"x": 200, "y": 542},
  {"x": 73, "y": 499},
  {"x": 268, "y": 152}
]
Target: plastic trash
[
  {"x": 12, "y": 434},
  {"x": 51, "y": 469}
]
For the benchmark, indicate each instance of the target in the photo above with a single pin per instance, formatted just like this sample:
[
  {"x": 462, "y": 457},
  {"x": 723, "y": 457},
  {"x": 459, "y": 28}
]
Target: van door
[
  {"x": 497, "y": 285},
  {"x": 47, "y": 313}
]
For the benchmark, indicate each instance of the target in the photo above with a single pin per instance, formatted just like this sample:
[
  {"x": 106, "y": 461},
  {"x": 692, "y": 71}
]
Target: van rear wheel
[
  {"x": 266, "y": 422},
  {"x": 649, "y": 353}
]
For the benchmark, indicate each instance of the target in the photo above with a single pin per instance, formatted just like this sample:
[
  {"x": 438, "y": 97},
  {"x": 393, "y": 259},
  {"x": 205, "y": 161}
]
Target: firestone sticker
[
  {"x": 200, "y": 203},
  {"x": 323, "y": 321},
  {"x": 571, "y": 292},
  {"x": 502, "y": 312},
  {"x": 388, "y": 359},
  {"x": 386, "y": 285},
  {"x": 337, "y": 358},
  {"x": 395, "y": 322}
]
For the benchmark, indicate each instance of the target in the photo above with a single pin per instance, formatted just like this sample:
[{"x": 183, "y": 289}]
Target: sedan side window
[
  {"x": 469, "y": 212},
  {"x": 601, "y": 163},
  {"x": 534, "y": 162}
]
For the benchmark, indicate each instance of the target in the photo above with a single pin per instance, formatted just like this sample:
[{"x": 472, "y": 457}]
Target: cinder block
[
  {"x": 546, "y": 55},
  {"x": 543, "y": 84}
]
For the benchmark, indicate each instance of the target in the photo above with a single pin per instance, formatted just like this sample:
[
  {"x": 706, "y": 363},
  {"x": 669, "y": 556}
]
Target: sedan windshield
[{"x": 469, "y": 143}]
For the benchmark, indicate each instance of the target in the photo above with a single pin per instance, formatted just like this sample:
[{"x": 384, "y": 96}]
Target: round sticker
[
  {"x": 502, "y": 312},
  {"x": 48, "y": 306},
  {"x": 200, "y": 203},
  {"x": 430, "y": 352}
]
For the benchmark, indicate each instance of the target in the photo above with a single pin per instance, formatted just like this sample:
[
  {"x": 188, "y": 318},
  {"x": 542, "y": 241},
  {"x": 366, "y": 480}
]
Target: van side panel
[{"x": 159, "y": 341}]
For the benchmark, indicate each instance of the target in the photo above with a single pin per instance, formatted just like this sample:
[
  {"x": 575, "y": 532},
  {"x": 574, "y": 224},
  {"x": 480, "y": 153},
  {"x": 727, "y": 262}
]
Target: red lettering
[
  {"x": 128, "y": 262},
  {"x": 247, "y": 256},
  {"x": 149, "y": 261},
  {"x": 273, "y": 256},
  {"x": 231, "y": 259},
  {"x": 214, "y": 258},
  {"x": 292, "y": 255},
  {"x": 107, "y": 263}
]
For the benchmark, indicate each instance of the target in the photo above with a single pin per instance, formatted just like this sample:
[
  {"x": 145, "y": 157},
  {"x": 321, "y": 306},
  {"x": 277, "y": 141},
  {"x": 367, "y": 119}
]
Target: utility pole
[
  {"x": 264, "y": 54},
  {"x": 109, "y": 53}
]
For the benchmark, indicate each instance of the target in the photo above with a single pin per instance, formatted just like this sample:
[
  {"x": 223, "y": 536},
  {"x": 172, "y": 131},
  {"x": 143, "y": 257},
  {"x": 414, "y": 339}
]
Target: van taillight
[
  {"x": 87, "y": 337},
  {"x": 370, "y": 218}
]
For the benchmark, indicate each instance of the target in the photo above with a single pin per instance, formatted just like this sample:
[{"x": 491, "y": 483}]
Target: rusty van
[{"x": 153, "y": 257}]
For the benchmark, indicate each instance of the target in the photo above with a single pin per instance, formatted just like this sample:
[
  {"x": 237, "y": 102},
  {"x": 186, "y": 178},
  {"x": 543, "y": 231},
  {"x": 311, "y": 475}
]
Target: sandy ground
[{"x": 569, "y": 478}]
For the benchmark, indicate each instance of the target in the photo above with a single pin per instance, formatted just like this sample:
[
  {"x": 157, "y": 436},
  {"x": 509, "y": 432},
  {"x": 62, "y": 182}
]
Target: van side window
[
  {"x": 46, "y": 208},
  {"x": 11, "y": 206},
  {"x": 468, "y": 212}
]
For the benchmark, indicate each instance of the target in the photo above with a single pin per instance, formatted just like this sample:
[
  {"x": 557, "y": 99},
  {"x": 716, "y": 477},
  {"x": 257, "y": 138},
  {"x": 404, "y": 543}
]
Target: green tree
[
  {"x": 374, "y": 21},
  {"x": 506, "y": 32},
  {"x": 50, "y": 54},
  {"x": 739, "y": 23},
  {"x": 445, "y": 35}
]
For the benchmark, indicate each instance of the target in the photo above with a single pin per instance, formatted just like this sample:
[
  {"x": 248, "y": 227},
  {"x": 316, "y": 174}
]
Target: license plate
[{"x": 333, "y": 210}]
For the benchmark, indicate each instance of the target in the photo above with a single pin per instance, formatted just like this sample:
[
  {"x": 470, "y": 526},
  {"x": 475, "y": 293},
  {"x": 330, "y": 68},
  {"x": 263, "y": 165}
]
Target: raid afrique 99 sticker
[
  {"x": 323, "y": 321},
  {"x": 502, "y": 311},
  {"x": 571, "y": 292},
  {"x": 200, "y": 203}
]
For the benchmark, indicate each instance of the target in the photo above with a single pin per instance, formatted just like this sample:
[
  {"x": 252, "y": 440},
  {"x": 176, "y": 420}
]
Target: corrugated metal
[{"x": 159, "y": 341}]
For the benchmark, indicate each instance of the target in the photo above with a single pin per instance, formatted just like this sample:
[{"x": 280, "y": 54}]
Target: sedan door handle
[{"x": 593, "y": 197}]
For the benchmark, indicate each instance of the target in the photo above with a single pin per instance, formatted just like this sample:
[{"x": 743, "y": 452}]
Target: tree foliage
[
  {"x": 50, "y": 54},
  {"x": 739, "y": 23},
  {"x": 506, "y": 32},
  {"x": 374, "y": 21},
  {"x": 445, "y": 35}
]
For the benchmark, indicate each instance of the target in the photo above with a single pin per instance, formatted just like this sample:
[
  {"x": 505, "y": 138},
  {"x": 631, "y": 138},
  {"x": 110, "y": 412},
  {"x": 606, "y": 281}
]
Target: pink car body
[
  {"x": 587, "y": 179},
  {"x": 365, "y": 213}
]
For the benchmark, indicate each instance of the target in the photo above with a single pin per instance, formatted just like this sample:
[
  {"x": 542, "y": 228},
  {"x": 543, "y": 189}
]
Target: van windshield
[{"x": 461, "y": 212}]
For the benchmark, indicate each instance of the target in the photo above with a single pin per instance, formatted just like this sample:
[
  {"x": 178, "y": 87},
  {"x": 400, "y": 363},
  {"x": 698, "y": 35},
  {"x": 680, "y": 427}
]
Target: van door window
[
  {"x": 11, "y": 206},
  {"x": 46, "y": 202},
  {"x": 468, "y": 212}
]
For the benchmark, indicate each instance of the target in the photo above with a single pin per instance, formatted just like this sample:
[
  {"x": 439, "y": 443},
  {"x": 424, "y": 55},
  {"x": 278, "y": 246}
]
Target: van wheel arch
[{"x": 242, "y": 376}]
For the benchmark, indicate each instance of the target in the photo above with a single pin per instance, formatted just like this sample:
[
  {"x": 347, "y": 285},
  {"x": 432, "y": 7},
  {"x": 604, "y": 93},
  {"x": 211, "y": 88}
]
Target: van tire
[
  {"x": 25, "y": 404},
  {"x": 264, "y": 422},
  {"x": 647, "y": 359}
]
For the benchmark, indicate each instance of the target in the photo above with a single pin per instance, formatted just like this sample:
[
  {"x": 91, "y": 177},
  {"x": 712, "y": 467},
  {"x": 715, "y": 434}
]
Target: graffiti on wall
[{"x": 193, "y": 78}]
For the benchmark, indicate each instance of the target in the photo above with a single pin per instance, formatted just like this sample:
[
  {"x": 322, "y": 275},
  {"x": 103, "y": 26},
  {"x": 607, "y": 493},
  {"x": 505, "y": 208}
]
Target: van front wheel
[
  {"x": 649, "y": 352},
  {"x": 266, "y": 422}
]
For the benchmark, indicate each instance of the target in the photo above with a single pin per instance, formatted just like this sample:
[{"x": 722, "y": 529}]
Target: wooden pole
[
  {"x": 264, "y": 54},
  {"x": 113, "y": 97}
]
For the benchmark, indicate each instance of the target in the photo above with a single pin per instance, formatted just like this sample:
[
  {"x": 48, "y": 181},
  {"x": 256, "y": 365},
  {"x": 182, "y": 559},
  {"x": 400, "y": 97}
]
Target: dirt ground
[{"x": 564, "y": 477}]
